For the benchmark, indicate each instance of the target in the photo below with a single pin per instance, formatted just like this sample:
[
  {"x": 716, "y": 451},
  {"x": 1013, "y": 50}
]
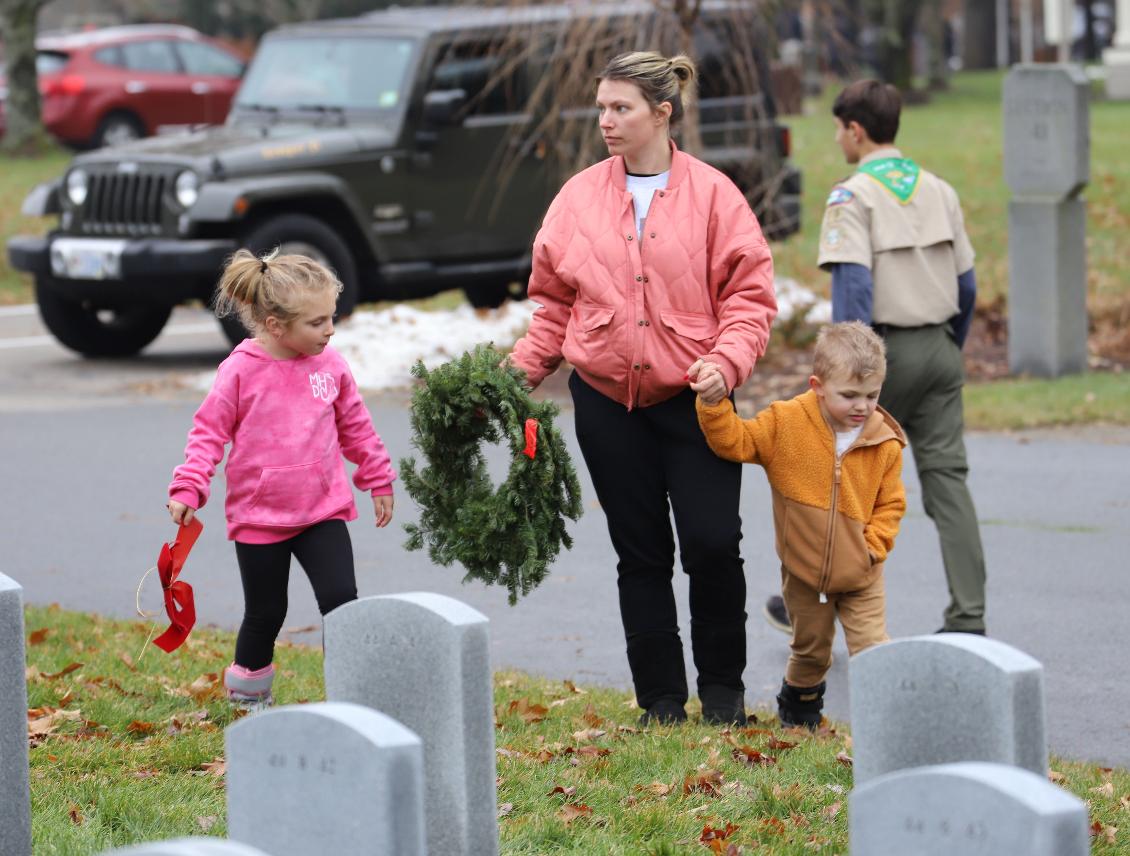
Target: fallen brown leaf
[
  {"x": 571, "y": 811},
  {"x": 207, "y": 821},
  {"x": 1104, "y": 790},
  {"x": 830, "y": 811},
  {"x": 588, "y": 735},
  {"x": 591, "y": 718},
  {"x": 529, "y": 712},
  {"x": 571, "y": 687},
  {"x": 139, "y": 727},
  {"x": 1056, "y": 776},
  {"x": 708, "y": 782},
  {"x": 145, "y": 774},
  {"x": 505, "y": 809},
  {"x": 660, "y": 789},
  {"x": 779, "y": 745},
  {"x": 749, "y": 755},
  {"x": 216, "y": 767},
  {"x": 567, "y": 791},
  {"x": 128, "y": 660},
  {"x": 844, "y": 758},
  {"x": 593, "y": 751},
  {"x": 37, "y": 637},
  {"x": 66, "y": 670},
  {"x": 76, "y": 815},
  {"x": 774, "y": 825}
]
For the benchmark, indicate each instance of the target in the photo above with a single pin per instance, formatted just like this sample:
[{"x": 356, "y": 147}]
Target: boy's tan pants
[{"x": 862, "y": 613}]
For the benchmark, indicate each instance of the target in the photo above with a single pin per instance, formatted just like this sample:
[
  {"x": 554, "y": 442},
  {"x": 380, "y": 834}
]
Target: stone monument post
[
  {"x": 1116, "y": 58},
  {"x": 1047, "y": 147},
  {"x": 15, "y": 802}
]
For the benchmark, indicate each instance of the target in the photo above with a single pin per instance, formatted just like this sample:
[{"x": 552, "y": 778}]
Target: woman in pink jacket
[
  {"x": 287, "y": 403},
  {"x": 647, "y": 263}
]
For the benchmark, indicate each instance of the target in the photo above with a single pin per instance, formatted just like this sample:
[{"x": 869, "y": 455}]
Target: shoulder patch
[{"x": 839, "y": 196}]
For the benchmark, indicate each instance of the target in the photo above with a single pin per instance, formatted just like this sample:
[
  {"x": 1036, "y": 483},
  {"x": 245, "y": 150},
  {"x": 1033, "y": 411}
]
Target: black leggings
[{"x": 326, "y": 555}]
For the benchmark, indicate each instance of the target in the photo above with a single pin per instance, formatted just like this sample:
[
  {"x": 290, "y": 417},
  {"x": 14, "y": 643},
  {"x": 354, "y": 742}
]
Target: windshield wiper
[{"x": 325, "y": 110}]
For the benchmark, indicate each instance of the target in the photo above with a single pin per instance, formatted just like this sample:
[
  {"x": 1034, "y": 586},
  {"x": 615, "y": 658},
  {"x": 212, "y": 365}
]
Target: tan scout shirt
[{"x": 915, "y": 249}]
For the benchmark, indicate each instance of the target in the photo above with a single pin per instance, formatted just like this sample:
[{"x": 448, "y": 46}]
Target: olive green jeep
[{"x": 411, "y": 150}]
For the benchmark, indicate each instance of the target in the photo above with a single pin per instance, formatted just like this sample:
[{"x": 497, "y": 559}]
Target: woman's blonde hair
[
  {"x": 659, "y": 78},
  {"x": 256, "y": 288}
]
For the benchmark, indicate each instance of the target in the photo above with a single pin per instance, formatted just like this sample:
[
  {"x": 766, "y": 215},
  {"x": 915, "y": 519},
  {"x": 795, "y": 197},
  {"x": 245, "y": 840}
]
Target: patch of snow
[{"x": 381, "y": 347}]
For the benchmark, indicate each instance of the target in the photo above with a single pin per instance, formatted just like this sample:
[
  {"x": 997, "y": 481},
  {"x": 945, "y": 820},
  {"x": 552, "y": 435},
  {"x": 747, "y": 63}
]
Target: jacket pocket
[
  {"x": 852, "y": 565},
  {"x": 801, "y": 537},
  {"x": 290, "y": 496},
  {"x": 691, "y": 325},
  {"x": 591, "y": 316}
]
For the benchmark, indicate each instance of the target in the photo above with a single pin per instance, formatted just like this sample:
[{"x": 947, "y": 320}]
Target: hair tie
[{"x": 262, "y": 266}]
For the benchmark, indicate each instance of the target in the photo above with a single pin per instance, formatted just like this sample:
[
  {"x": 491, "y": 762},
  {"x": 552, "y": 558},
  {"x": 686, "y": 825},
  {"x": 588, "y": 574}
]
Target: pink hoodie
[{"x": 289, "y": 422}]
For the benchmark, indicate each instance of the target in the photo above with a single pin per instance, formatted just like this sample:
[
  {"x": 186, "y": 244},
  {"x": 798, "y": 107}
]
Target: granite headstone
[
  {"x": 424, "y": 660},
  {"x": 189, "y": 847},
  {"x": 15, "y": 799},
  {"x": 944, "y": 698},
  {"x": 966, "y": 809},
  {"x": 325, "y": 778}
]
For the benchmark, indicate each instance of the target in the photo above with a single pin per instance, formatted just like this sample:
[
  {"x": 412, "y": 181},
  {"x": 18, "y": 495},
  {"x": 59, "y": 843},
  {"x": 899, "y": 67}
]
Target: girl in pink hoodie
[{"x": 288, "y": 405}]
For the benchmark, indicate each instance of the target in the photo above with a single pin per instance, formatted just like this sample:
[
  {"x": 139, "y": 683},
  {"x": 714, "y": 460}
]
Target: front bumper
[{"x": 157, "y": 270}]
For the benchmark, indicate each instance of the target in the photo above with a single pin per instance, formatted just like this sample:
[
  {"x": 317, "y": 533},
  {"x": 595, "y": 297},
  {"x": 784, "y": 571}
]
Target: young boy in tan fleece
[{"x": 833, "y": 458}]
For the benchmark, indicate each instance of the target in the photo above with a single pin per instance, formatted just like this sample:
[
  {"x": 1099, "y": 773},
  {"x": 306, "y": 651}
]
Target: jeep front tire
[{"x": 98, "y": 331}]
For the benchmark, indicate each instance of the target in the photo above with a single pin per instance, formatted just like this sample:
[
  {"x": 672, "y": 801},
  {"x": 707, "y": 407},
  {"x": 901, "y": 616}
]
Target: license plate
[{"x": 87, "y": 258}]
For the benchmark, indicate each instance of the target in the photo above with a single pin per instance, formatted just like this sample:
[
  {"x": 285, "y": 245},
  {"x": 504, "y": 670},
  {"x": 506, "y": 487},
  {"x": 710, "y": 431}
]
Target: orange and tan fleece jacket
[{"x": 836, "y": 519}]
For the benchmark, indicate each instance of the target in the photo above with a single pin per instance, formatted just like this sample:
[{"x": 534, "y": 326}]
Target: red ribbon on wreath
[
  {"x": 531, "y": 438},
  {"x": 179, "y": 603}
]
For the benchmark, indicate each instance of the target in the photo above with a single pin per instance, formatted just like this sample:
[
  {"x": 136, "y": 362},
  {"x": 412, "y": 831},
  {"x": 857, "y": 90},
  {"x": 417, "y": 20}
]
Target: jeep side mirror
[{"x": 441, "y": 106}]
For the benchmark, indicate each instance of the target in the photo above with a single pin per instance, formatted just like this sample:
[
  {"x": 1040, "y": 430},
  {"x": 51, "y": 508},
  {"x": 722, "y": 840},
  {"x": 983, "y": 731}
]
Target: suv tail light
[
  {"x": 784, "y": 140},
  {"x": 68, "y": 84}
]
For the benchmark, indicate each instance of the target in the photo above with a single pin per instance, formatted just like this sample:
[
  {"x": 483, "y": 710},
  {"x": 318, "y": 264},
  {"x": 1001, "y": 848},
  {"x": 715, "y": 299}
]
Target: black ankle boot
[
  {"x": 665, "y": 711},
  {"x": 800, "y": 705},
  {"x": 722, "y": 705}
]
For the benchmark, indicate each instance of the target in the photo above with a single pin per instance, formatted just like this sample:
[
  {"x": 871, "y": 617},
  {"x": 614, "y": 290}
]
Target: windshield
[{"x": 336, "y": 74}]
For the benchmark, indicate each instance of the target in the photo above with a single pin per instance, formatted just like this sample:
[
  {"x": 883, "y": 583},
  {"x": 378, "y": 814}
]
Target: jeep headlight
[
  {"x": 187, "y": 188},
  {"x": 77, "y": 185}
]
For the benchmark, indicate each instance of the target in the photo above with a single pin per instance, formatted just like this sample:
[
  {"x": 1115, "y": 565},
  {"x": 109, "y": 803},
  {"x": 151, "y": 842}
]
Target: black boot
[
  {"x": 722, "y": 705},
  {"x": 664, "y": 711},
  {"x": 800, "y": 705}
]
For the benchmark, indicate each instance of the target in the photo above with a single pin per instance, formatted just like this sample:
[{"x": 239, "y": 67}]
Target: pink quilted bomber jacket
[{"x": 632, "y": 313}]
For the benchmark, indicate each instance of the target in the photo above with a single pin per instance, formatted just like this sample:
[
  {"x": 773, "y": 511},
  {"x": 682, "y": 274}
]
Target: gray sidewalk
[{"x": 84, "y": 518}]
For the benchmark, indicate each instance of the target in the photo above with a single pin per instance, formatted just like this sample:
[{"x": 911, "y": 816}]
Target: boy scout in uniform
[{"x": 894, "y": 240}]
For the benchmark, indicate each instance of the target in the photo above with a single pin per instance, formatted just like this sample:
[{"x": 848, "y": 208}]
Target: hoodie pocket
[
  {"x": 290, "y": 496},
  {"x": 852, "y": 565}
]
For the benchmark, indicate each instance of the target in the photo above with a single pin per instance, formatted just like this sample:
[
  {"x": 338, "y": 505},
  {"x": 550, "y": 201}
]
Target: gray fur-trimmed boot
[
  {"x": 250, "y": 690},
  {"x": 801, "y": 706}
]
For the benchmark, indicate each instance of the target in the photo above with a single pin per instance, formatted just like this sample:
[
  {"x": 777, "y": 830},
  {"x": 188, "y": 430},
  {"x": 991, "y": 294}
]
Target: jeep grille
[{"x": 123, "y": 204}]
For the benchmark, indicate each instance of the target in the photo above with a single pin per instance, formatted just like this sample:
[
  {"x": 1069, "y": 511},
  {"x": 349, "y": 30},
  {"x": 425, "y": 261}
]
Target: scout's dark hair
[{"x": 874, "y": 105}]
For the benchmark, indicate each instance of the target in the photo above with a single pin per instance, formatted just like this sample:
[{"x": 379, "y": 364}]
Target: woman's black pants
[
  {"x": 326, "y": 555},
  {"x": 646, "y": 463}
]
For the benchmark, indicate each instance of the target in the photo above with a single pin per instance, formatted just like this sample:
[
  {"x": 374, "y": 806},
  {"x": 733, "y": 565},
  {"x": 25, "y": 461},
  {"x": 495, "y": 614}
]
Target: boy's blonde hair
[
  {"x": 255, "y": 288},
  {"x": 849, "y": 349}
]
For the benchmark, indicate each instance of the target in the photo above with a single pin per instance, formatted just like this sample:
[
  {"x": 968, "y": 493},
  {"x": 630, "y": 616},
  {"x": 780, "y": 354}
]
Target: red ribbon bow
[
  {"x": 531, "y": 438},
  {"x": 178, "y": 595}
]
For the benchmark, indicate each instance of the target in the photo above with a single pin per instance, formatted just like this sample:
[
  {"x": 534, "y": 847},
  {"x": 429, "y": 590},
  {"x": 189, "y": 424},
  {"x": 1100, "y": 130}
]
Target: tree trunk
[
  {"x": 897, "y": 21},
  {"x": 24, "y": 133},
  {"x": 979, "y": 34},
  {"x": 687, "y": 12},
  {"x": 934, "y": 23}
]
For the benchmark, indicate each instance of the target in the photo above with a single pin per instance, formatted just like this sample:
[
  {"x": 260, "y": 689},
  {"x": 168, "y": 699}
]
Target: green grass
[
  {"x": 958, "y": 135},
  {"x": 18, "y": 176},
  {"x": 137, "y": 739},
  {"x": 1069, "y": 400}
]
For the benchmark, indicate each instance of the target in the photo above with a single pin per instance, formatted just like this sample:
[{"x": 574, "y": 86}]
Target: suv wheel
[
  {"x": 95, "y": 331},
  {"x": 301, "y": 235},
  {"x": 118, "y": 129}
]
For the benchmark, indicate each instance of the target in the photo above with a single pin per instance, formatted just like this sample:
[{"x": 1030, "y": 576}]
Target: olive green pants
[{"x": 922, "y": 391}]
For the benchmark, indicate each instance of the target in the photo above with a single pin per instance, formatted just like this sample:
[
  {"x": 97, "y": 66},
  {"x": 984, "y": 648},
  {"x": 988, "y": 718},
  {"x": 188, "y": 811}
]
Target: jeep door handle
[{"x": 135, "y": 87}]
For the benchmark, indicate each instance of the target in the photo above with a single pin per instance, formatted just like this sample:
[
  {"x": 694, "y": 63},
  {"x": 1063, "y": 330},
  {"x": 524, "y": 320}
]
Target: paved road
[{"x": 89, "y": 445}]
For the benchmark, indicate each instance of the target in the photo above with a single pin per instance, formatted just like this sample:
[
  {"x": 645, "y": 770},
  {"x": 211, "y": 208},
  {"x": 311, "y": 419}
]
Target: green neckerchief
[{"x": 898, "y": 175}]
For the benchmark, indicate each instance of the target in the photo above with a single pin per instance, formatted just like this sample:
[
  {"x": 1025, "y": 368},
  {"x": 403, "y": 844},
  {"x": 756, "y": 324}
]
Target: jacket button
[
  {"x": 639, "y": 279},
  {"x": 647, "y": 367},
  {"x": 636, "y": 367},
  {"x": 629, "y": 237},
  {"x": 645, "y": 279},
  {"x": 647, "y": 323},
  {"x": 641, "y": 323},
  {"x": 652, "y": 235},
  {"x": 662, "y": 193}
]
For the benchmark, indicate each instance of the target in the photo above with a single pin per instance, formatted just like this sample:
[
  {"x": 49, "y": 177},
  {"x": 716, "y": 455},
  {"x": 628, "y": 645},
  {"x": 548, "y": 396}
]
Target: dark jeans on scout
[
  {"x": 326, "y": 555},
  {"x": 640, "y": 460}
]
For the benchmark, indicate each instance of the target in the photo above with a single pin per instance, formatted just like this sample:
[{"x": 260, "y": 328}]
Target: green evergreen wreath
[{"x": 506, "y": 536}]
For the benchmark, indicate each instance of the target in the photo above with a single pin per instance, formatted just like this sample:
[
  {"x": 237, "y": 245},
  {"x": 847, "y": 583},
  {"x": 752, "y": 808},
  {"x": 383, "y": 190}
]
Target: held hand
[
  {"x": 182, "y": 515},
  {"x": 707, "y": 380},
  {"x": 382, "y": 507}
]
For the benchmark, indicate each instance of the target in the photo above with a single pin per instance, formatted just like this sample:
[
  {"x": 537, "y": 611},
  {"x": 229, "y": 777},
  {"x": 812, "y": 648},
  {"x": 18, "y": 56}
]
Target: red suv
[{"x": 110, "y": 86}]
